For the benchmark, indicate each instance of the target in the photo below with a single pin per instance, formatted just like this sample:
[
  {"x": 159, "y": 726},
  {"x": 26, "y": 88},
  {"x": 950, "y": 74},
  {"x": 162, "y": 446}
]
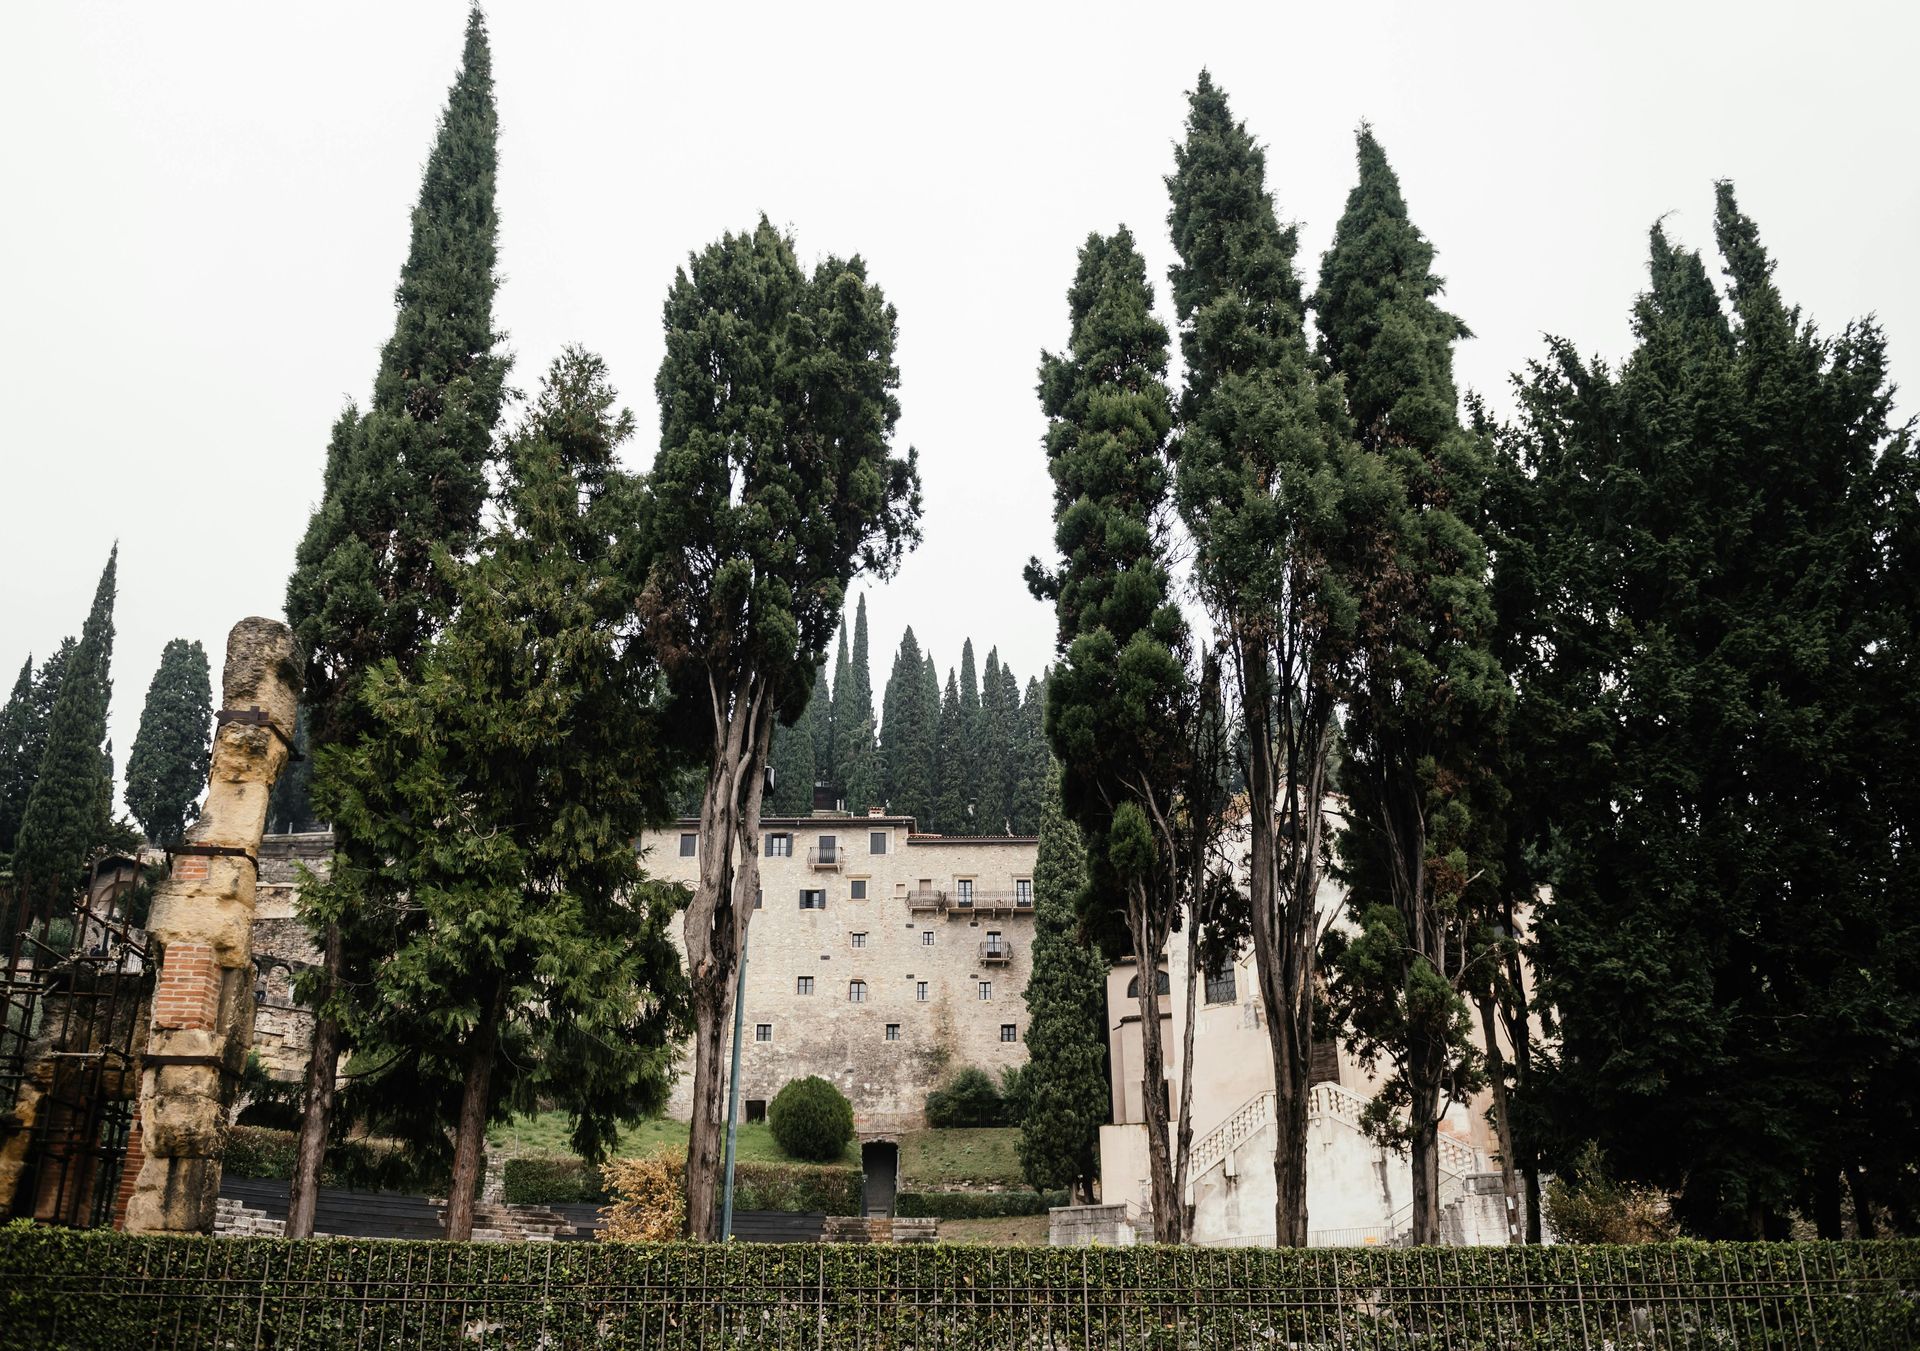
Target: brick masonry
[
  {"x": 881, "y": 941},
  {"x": 187, "y": 998}
]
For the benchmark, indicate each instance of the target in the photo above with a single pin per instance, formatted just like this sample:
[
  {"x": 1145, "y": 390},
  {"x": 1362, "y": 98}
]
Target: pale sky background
[{"x": 204, "y": 208}]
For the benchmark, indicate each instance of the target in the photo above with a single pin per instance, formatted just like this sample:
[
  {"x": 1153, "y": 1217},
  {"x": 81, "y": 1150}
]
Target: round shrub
[{"x": 811, "y": 1119}]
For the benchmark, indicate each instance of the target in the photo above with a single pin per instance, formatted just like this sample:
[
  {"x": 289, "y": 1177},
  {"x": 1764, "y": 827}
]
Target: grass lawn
[
  {"x": 980, "y": 1155},
  {"x": 1020, "y": 1230},
  {"x": 547, "y": 1134}
]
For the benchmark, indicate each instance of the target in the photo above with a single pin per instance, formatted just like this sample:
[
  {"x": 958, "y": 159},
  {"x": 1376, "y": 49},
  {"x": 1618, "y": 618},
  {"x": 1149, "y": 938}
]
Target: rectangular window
[
  {"x": 1023, "y": 891},
  {"x": 759, "y": 898},
  {"x": 779, "y": 846},
  {"x": 920, "y": 991},
  {"x": 1220, "y": 985},
  {"x": 813, "y": 900},
  {"x": 893, "y": 1032},
  {"x": 857, "y": 991},
  {"x": 764, "y": 1032},
  {"x": 756, "y": 1109},
  {"x": 963, "y": 889},
  {"x": 859, "y": 940},
  {"x": 877, "y": 842},
  {"x": 1008, "y": 1032},
  {"x": 986, "y": 989},
  {"x": 689, "y": 845},
  {"x": 857, "y": 889},
  {"x": 803, "y": 985},
  {"x": 827, "y": 845},
  {"x": 926, "y": 938}
]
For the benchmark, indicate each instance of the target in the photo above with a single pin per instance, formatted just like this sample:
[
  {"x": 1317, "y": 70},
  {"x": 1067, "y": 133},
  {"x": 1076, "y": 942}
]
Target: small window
[
  {"x": 986, "y": 989},
  {"x": 877, "y": 842},
  {"x": 689, "y": 845},
  {"x": 920, "y": 991},
  {"x": 779, "y": 846},
  {"x": 893, "y": 1032},
  {"x": 857, "y": 889},
  {"x": 813, "y": 900},
  {"x": 1009, "y": 1032},
  {"x": 926, "y": 938},
  {"x": 764, "y": 1032},
  {"x": 963, "y": 889},
  {"x": 1220, "y": 988},
  {"x": 803, "y": 985},
  {"x": 859, "y": 940},
  {"x": 857, "y": 991},
  {"x": 1023, "y": 891},
  {"x": 759, "y": 898}
]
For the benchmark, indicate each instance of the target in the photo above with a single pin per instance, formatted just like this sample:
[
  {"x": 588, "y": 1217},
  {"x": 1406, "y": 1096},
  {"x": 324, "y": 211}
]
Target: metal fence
[{"x": 82, "y": 1290}]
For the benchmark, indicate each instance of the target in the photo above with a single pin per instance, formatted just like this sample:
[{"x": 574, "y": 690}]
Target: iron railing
[
  {"x": 82, "y": 1291},
  {"x": 996, "y": 951},
  {"x": 956, "y": 902},
  {"x": 829, "y": 859}
]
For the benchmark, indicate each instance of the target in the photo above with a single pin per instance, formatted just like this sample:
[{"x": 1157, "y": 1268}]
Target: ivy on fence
[{"x": 85, "y": 1290}]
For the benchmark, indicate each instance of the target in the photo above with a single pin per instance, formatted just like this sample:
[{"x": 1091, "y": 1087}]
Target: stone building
[
  {"x": 282, "y": 946},
  {"x": 879, "y": 959}
]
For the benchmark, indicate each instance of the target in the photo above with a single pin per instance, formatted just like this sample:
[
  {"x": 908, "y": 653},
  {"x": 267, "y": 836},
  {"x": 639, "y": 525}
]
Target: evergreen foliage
[
  {"x": 794, "y": 770},
  {"x": 66, "y": 810},
  {"x": 854, "y": 756},
  {"x": 910, "y": 735},
  {"x": 774, "y": 487},
  {"x": 811, "y": 1119},
  {"x": 22, "y": 734},
  {"x": 290, "y": 805},
  {"x": 1068, "y": 1094},
  {"x": 532, "y": 960},
  {"x": 1032, "y": 763},
  {"x": 1707, "y": 560},
  {"x": 174, "y": 747},
  {"x": 1427, "y": 702},
  {"x": 953, "y": 808}
]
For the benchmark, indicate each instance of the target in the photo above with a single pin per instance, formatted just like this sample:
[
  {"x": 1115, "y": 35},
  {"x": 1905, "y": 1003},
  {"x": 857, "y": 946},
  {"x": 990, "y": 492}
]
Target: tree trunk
[
  {"x": 1827, "y": 1222},
  {"x": 716, "y": 926},
  {"x": 1153, "y": 1071},
  {"x": 1863, "y": 1219},
  {"x": 1183, "y": 1132},
  {"x": 1502, "y": 1116},
  {"x": 1426, "y": 1185},
  {"x": 316, "y": 1117},
  {"x": 470, "y": 1136}
]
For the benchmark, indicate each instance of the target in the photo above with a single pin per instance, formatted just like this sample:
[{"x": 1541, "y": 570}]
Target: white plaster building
[{"x": 879, "y": 959}]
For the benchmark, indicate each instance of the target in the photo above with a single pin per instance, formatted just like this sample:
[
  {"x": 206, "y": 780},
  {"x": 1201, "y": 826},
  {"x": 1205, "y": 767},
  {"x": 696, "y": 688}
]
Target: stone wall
[
  {"x": 913, "y": 890},
  {"x": 1090, "y": 1226},
  {"x": 282, "y": 1029}
]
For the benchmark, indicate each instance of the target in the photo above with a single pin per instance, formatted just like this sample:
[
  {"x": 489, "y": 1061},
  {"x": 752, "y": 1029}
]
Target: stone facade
[
  {"x": 282, "y": 946},
  {"x": 896, "y": 972}
]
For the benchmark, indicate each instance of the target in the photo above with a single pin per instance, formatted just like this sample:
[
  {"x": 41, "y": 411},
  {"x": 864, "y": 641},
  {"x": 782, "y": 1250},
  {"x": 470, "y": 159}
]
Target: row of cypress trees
[{"x": 971, "y": 761}]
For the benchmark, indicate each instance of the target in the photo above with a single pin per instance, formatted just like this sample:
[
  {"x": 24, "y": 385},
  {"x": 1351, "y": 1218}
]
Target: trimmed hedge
[
  {"x": 537, "y": 1180},
  {"x": 976, "y": 1205},
  {"x": 93, "y": 1289},
  {"x": 262, "y": 1152}
]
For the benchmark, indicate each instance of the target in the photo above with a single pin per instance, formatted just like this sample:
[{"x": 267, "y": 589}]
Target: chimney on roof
[{"x": 876, "y": 811}]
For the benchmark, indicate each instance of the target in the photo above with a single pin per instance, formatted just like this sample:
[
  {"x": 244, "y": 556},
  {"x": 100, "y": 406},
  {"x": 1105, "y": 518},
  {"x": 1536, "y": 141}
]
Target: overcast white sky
[{"x": 205, "y": 210}]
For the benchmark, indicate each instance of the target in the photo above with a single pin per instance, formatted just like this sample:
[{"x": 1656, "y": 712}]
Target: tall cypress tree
[
  {"x": 1718, "y": 600},
  {"x": 953, "y": 808},
  {"x": 993, "y": 772},
  {"x": 792, "y": 755},
  {"x": 1069, "y": 1095},
  {"x": 22, "y": 765},
  {"x": 930, "y": 700},
  {"x": 20, "y": 726},
  {"x": 1031, "y": 761},
  {"x": 853, "y": 723},
  {"x": 290, "y": 805},
  {"x": 174, "y": 747},
  {"x": 1428, "y": 700},
  {"x": 64, "y": 816},
  {"x": 404, "y": 481},
  {"x": 828, "y": 764},
  {"x": 910, "y": 735}
]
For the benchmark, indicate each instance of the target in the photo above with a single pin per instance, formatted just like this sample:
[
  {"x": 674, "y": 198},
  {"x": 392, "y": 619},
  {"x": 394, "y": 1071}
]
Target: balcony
[
  {"x": 829, "y": 859},
  {"x": 939, "y": 900},
  {"x": 995, "y": 952}
]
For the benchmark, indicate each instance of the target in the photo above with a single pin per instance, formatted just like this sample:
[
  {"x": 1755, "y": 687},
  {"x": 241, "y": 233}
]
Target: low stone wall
[
  {"x": 1087, "y": 1226},
  {"x": 879, "y": 1229}
]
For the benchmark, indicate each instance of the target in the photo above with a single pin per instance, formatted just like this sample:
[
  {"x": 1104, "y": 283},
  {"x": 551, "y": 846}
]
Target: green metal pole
[{"x": 733, "y": 1092}]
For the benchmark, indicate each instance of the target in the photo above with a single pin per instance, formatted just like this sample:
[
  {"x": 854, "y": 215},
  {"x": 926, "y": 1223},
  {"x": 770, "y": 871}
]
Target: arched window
[
  {"x": 1162, "y": 984},
  {"x": 857, "y": 991}
]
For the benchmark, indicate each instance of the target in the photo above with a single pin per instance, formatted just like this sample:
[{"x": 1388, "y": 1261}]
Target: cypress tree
[
  {"x": 1428, "y": 700},
  {"x": 174, "y": 746},
  {"x": 953, "y": 808},
  {"x": 404, "y": 485},
  {"x": 832, "y": 772},
  {"x": 1069, "y": 1096},
  {"x": 853, "y": 723},
  {"x": 792, "y": 755},
  {"x": 910, "y": 735},
  {"x": 64, "y": 816},
  {"x": 290, "y": 805},
  {"x": 1031, "y": 761},
  {"x": 19, "y": 758},
  {"x": 930, "y": 700},
  {"x": 995, "y": 750}
]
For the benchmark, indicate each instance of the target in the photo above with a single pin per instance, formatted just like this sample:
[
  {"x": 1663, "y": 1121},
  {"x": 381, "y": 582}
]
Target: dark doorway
[{"x": 880, "y": 1161}]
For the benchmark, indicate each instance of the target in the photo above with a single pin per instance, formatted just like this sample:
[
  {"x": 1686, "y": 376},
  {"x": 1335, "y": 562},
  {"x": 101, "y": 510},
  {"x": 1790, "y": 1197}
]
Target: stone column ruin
[{"x": 201, "y": 932}]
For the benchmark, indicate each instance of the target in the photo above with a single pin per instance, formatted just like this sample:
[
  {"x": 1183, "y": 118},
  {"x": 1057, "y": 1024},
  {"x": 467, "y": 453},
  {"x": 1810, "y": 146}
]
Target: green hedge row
[
  {"x": 259, "y": 1151},
  {"x": 536, "y": 1180},
  {"x": 84, "y": 1290},
  {"x": 976, "y": 1205}
]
